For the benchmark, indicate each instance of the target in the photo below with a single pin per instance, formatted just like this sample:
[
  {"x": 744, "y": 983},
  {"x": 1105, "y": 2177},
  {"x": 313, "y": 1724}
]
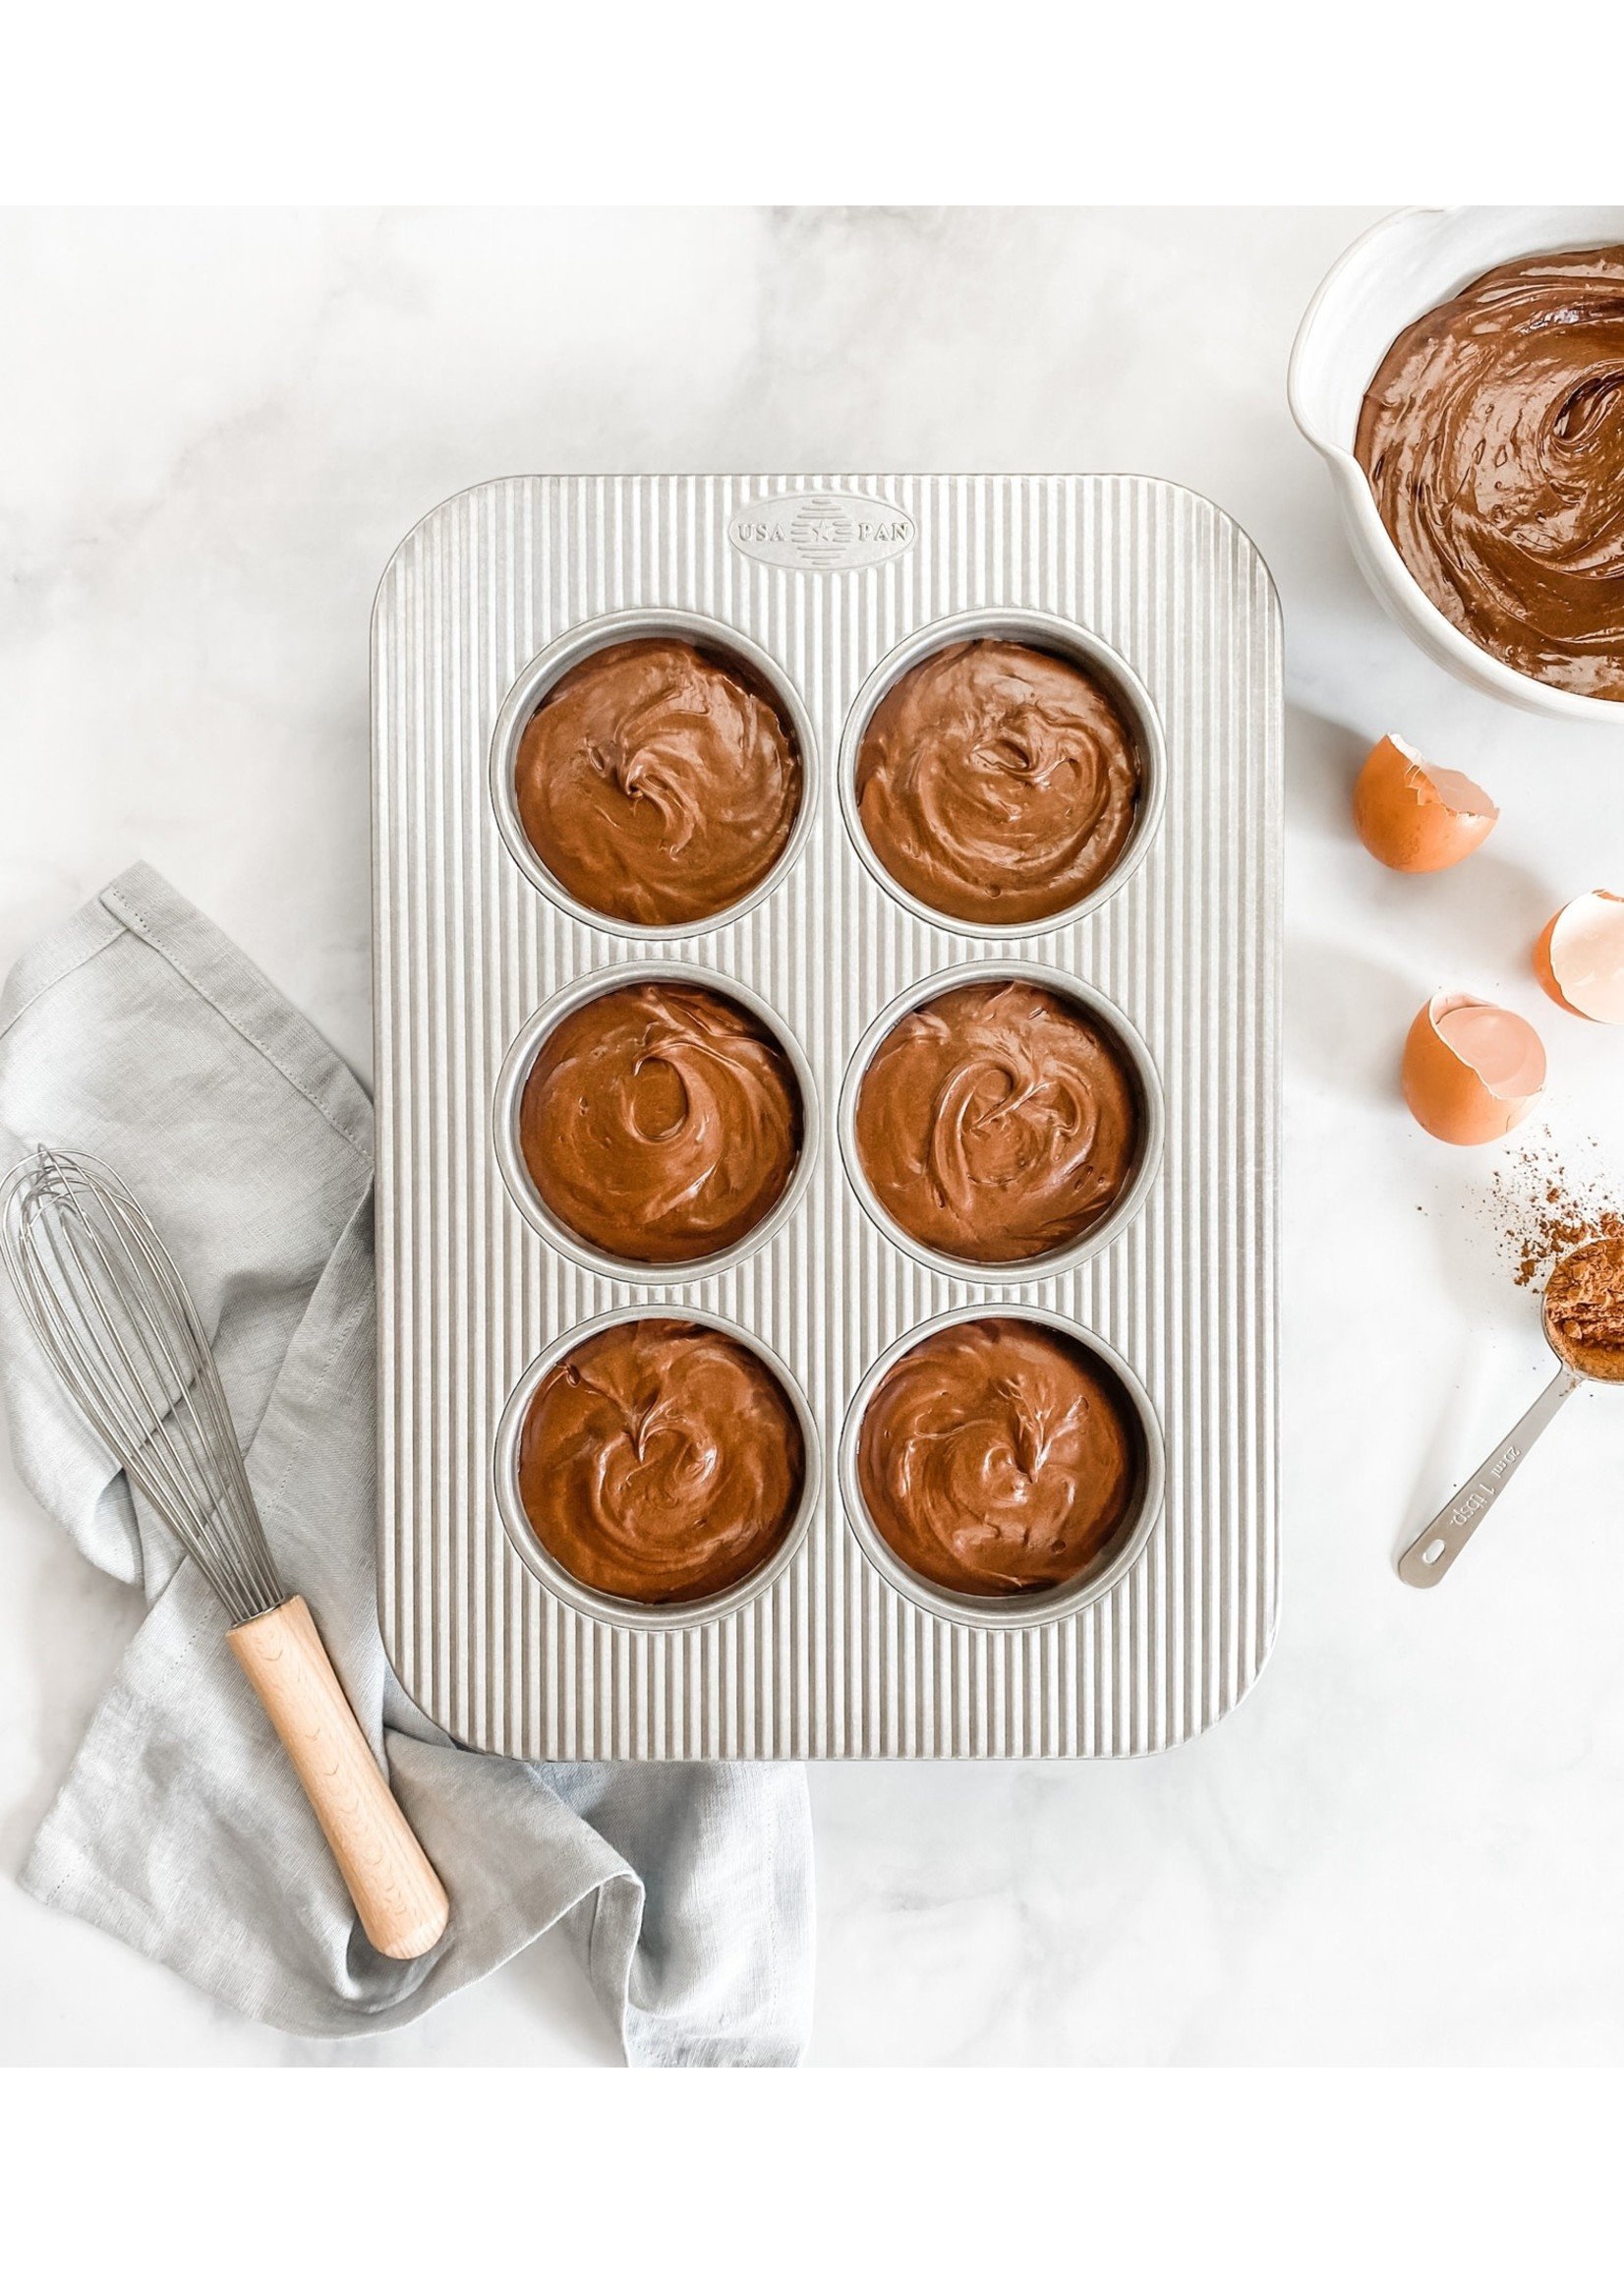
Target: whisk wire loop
[{"x": 121, "y": 1330}]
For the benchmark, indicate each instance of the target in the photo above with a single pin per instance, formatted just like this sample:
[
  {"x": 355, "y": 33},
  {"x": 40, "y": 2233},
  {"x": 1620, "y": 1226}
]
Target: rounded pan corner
[
  {"x": 457, "y": 497},
  {"x": 1231, "y": 1705},
  {"x": 1235, "y": 530}
]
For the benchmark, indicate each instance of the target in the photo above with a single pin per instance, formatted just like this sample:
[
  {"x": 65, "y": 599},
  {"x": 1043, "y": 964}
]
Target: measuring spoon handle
[{"x": 1429, "y": 1555}]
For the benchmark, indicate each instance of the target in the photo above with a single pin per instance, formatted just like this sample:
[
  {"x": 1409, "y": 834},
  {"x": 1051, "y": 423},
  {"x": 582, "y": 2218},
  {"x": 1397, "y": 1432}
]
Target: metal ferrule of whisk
[{"x": 113, "y": 1315}]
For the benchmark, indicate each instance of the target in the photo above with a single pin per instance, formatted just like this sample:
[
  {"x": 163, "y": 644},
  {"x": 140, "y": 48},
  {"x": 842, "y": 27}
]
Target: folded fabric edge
[
  {"x": 54, "y": 957},
  {"x": 59, "y": 1874},
  {"x": 145, "y": 903}
]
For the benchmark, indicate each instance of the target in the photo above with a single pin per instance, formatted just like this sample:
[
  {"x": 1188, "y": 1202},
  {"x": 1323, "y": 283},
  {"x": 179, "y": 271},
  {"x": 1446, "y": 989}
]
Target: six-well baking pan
[{"x": 824, "y": 588}]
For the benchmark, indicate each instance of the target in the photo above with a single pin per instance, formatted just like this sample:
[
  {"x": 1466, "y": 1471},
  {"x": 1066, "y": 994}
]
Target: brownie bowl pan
[{"x": 823, "y": 590}]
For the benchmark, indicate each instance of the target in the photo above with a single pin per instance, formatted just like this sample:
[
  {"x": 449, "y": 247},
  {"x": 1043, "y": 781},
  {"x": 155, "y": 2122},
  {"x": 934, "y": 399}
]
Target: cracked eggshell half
[
  {"x": 1472, "y": 1071},
  {"x": 1579, "y": 958},
  {"x": 1414, "y": 817}
]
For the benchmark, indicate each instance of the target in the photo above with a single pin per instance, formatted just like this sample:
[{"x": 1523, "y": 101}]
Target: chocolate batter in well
[
  {"x": 661, "y": 1122},
  {"x": 1493, "y": 438},
  {"x": 661, "y": 1461},
  {"x": 658, "y": 785},
  {"x": 998, "y": 784},
  {"x": 998, "y": 1457},
  {"x": 998, "y": 1121},
  {"x": 1585, "y": 1309}
]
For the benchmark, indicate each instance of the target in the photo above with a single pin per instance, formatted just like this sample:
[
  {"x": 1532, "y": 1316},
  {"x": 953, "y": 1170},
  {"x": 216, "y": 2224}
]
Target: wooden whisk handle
[{"x": 398, "y": 1898}]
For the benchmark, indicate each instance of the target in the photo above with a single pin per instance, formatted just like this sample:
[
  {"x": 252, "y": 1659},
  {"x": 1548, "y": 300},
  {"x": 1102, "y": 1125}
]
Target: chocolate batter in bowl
[
  {"x": 1412, "y": 270},
  {"x": 655, "y": 1122},
  {"x": 1492, "y": 437},
  {"x": 1002, "y": 1466},
  {"x": 1003, "y": 1121},
  {"x": 657, "y": 1468},
  {"x": 652, "y": 772},
  {"x": 1002, "y": 772}
]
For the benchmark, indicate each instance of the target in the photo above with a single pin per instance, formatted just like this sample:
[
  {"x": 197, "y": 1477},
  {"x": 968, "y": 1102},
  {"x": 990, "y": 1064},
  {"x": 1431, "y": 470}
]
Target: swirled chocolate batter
[
  {"x": 1493, "y": 438},
  {"x": 998, "y": 1121},
  {"x": 661, "y": 1461},
  {"x": 659, "y": 786},
  {"x": 998, "y": 1457},
  {"x": 661, "y": 1122},
  {"x": 998, "y": 784}
]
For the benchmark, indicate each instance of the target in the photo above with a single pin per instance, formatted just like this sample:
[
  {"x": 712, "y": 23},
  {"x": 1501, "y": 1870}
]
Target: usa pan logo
[{"x": 821, "y": 529}]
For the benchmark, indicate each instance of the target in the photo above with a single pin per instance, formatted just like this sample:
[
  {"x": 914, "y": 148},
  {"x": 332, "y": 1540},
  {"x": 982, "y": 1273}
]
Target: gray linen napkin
[{"x": 139, "y": 1033}]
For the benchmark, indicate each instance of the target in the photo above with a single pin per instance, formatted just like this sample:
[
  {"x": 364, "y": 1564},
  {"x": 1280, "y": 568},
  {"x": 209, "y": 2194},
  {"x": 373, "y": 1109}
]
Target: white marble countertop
[{"x": 1406, "y": 1846}]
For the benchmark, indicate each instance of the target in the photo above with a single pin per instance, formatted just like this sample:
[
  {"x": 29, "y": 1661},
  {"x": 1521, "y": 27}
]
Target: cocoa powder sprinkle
[{"x": 1543, "y": 1203}]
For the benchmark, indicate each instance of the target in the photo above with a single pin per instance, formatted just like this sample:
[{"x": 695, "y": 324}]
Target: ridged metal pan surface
[{"x": 826, "y": 576}]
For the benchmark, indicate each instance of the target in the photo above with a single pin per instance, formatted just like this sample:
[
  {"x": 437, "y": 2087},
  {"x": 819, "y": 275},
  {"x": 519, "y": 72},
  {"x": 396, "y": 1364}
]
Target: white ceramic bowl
[{"x": 1394, "y": 273}]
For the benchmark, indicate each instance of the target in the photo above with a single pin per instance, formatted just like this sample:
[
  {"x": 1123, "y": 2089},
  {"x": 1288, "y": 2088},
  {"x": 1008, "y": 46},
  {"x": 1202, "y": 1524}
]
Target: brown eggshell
[
  {"x": 1542, "y": 968},
  {"x": 1418, "y": 818},
  {"x": 1579, "y": 958},
  {"x": 1470, "y": 1070}
]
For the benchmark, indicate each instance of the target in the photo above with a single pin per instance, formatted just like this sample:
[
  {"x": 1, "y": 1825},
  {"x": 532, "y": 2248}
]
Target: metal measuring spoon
[{"x": 1428, "y": 1556}]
